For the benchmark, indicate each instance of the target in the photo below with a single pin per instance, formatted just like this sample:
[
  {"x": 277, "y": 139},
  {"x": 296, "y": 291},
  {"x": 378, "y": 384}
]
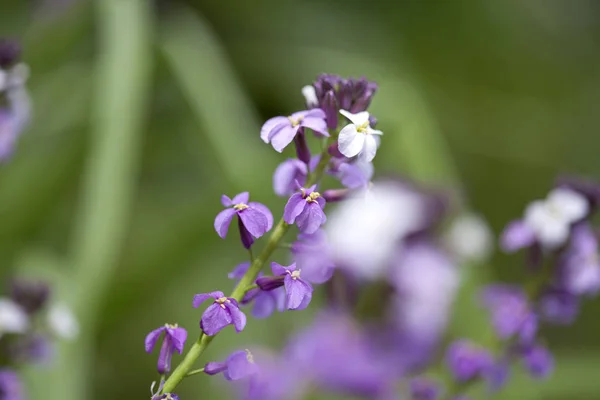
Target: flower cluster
[
  {"x": 386, "y": 254},
  {"x": 29, "y": 321},
  {"x": 15, "y": 107}
]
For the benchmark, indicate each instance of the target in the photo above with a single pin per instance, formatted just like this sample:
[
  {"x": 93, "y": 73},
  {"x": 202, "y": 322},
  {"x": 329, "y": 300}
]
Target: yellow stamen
[
  {"x": 240, "y": 206},
  {"x": 295, "y": 274},
  {"x": 363, "y": 128},
  {"x": 295, "y": 122},
  {"x": 313, "y": 197},
  {"x": 222, "y": 300},
  {"x": 249, "y": 356}
]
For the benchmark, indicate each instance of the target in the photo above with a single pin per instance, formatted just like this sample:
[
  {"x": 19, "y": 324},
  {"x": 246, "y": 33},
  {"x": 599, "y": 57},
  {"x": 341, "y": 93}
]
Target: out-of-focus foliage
[{"x": 505, "y": 91}]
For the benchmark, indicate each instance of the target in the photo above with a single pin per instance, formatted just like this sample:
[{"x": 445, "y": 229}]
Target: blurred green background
[{"x": 146, "y": 112}]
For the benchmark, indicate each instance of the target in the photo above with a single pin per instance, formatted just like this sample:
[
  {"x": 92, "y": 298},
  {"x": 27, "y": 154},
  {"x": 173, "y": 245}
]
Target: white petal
[
  {"x": 571, "y": 205},
  {"x": 3, "y": 80},
  {"x": 350, "y": 142},
  {"x": 369, "y": 149},
  {"x": 13, "y": 318},
  {"x": 537, "y": 215},
  {"x": 62, "y": 321},
  {"x": 470, "y": 238},
  {"x": 310, "y": 96},
  {"x": 372, "y": 131},
  {"x": 357, "y": 119},
  {"x": 553, "y": 234}
]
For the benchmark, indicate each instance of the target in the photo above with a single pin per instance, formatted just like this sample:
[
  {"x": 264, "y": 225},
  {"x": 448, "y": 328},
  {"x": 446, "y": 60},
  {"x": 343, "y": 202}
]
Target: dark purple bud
[
  {"x": 302, "y": 150},
  {"x": 32, "y": 296},
  {"x": 331, "y": 109},
  {"x": 334, "y": 151},
  {"x": 213, "y": 368},
  {"x": 267, "y": 283},
  {"x": 372, "y": 121},
  {"x": 538, "y": 361},
  {"x": 334, "y": 195},
  {"x": 250, "y": 295},
  {"x": 10, "y": 52},
  {"x": 247, "y": 239}
]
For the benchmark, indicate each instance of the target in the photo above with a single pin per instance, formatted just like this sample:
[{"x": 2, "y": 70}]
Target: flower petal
[
  {"x": 165, "y": 356},
  {"x": 215, "y": 318},
  {"x": 272, "y": 124},
  {"x": 311, "y": 218},
  {"x": 316, "y": 124},
  {"x": 202, "y": 297},
  {"x": 238, "y": 316},
  {"x": 239, "y": 271},
  {"x": 226, "y": 201},
  {"x": 350, "y": 142},
  {"x": 241, "y": 198},
  {"x": 178, "y": 336},
  {"x": 284, "y": 137},
  {"x": 152, "y": 338},
  {"x": 293, "y": 208},
  {"x": 286, "y": 173},
  {"x": 213, "y": 368},
  {"x": 254, "y": 221},
  {"x": 278, "y": 269},
  {"x": 223, "y": 220},
  {"x": 517, "y": 235},
  {"x": 369, "y": 149},
  {"x": 357, "y": 119},
  {"x": 239, "y": 367},
  {"x": 265, "y": 211},
  {"x": 298, "y": 293},
  {"x": 264, "y": 304}
]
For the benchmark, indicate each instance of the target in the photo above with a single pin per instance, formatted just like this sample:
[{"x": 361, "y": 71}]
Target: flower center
[
  {"x": 171, "y": 326},
  {"x": 249, "y": 357},
  {"x": 313, "y": 197},
  {"x": 363, "y": 128},
  {"x": 295, "y": 121},
  {"x": 295, "y": 274},
  {"x": 240, "y": 206},
  {"x": 222, "y": 300}
]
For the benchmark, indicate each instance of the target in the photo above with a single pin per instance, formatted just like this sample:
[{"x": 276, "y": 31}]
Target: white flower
[
  {"x": 365, "y": 231},
  {"x": 310, "y": 96},
  {"x": 358, "y": 137},
  {"x": 470, "y": 238},
  {"x": 63, "y": 322},
  {"x": 551, "y": 219},
  {"x": 13, "y": 319}
]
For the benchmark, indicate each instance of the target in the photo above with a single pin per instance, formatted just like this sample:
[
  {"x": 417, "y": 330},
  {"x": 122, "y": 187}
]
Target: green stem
[{"x": 246, "y": 283}]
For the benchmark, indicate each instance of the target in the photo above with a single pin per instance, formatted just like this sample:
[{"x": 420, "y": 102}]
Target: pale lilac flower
[
  {"x": 580, "y": 265},
  {"x": 424, "y": 389},
  {"x": 291, "y": 173},
  {"x": 305, "y": 208},
  {"x": 313, "y": 256},
  {"x": 497, "y": 375},
  {"x": 310, "y": 96},
  {"x": 224, "y": 311},
  {"x": 511, "y": 313},
  {"x": 13, "y": 319},
  {"x": 558, "y": 306},
  {"x": 467, "y": 361},
  {"x": 281, "y": 131},
  {"x": 358, "y": 138},
  {"x": 11, "y": 387},
  {"x": 298, "y": 291},
  {"x": 538, "y": 361},
  {"x": 63, "y": 322},
  {"x": 254, "y": 219},
  {"x": 173, "y": 340},
  {"x": 355, "y": 175},
  {"x": 239, "y": 365},
  {"x": 265, "y": 302}
]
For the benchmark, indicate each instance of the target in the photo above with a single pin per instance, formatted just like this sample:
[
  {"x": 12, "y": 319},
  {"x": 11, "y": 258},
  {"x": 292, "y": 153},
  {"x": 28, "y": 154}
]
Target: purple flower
[
  {"x": 312, "y": 256},
  {"x": 224, "y": 311},
  {"x": 467, "y": 361},
  {"x": 31, "y": 348},
  {"x": 558, "y": 306},
  {"x": 174, "y": 339},
  {"x": 298, "y": 291},
  {"x": 517, "y": 235},
  {"x": 511, "y": 312},
  {"x": 497, "y": 375},
  {"x": 265, "y": 302},
  {"x": 281, "y": 131},
  {"x": 11, "y": 387},
  {"x": 305, "y": 208},
  {"x": 166, "y": 396},
  {"x": 424, "y": 389},
  {"x": 32, "y": 296},
  {"x": 254, "y": 219},
  {"x": 580, "y": 267},
  {"x": 287, "y": 174},
  {"x": 355, "y": 175},
  {"x": 351, "y": 94},
  {"x": 538, "y": 361},
  {"x": 239, "y": 365}
]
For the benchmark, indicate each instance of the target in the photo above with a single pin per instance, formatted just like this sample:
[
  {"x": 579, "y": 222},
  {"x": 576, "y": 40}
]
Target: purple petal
[
  {"x": 311, "y": 218},
  {"x": 251, "y": 295},
  {"x": 239, "y": 318},
  {"x": 316, "y": 124},
  {"x": 286, "y": 173},
  {"x": 202, "y": 297},
  {"x": 239, "y": 367},
  {"x": 265, "y": 211},
  {"x": 254, "y": 221},
  {"x": 245, "y": 236},
  {"x": 214, "y": 319},
  {"x": 299, "y": 293},
  {"x": 284, "y": 137},
  {"x": 223, "y": 220},
  {"x": 538, "y": 361},
  {"x": 517, "y": 235},
  {"x": 226, "y": 201},
  {"x": 268, "y": 283},
  {"x": 293, "y": 208},
  {"x": 267, "y": 302},
  {"x": 321, "y": 201},
  {"x": 213, "y": 368},
  {"x": 239, "y": 271},
  {"x": 278, "y": 269},
  {"x": 178, "y": 336},
  {"x": 152, "y": 338},
  {"x": 275, "y": 123},
  {"x": 241, "y": 198},
  {"x": 165, "y": 355}
]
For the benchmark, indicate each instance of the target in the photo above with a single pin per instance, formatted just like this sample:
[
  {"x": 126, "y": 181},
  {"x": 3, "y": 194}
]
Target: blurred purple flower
[
  {"x": 32, "y": 296},
  {"x": 424, "y": 389},
  {"x": 538, "y": 361},
  {"x": 558, "y": 306},
  {"x": 11, "y": 387},
  {"x": 224, "y": 311},
  {"x": 312, "y": 256},
  {"x": 239, "y": 365},
  {"x": 254, "y": 219},
  {"x": 305, "y": 208},
  {"x": 174, "y": 339},
  {"x": 580, "y": 266},
  {"x": 265, "y": 302},
  {"x": 511, "y": 313},
  {"x": 467, "y": 361},
  {"x": 281, "y": 131}
]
